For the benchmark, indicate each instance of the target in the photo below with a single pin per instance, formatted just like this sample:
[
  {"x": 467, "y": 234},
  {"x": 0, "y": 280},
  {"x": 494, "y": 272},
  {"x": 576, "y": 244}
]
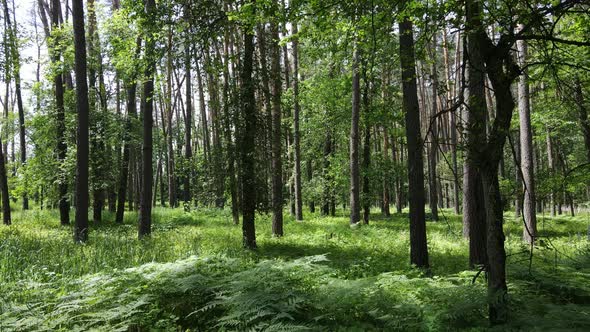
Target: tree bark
[
  {"x": 83, "y": 108},
  {"x": 526, "y": 149},
  {"x": 418, "y": 246},
  {"x": 433, "y": 146},
  {"x": 11, "y": 31},
  {"x": 247, "y": 151},
  {"x": 277, "y": 171},
  {"x": 145, "y": 205},
  {"x": 582, "y": 115},
  {"x": 188, "y": 151},
  {"x": 474, "y": 215},
  {"x": 64, "y": 203},
  {"x": 354, "y": 139},
  {"x": 296, "y": 132}
]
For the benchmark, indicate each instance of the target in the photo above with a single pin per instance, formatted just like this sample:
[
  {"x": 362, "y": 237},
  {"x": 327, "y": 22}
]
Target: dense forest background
[{"x": 232, "y": 165}]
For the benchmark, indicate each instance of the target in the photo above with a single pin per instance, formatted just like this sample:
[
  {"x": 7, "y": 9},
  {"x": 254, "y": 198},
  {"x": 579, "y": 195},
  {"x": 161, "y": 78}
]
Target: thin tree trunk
[
  {"x": 15, "y": 64},
  {"x": 526, "y": 149},
  {"x": 6, "y": 218},
  {"x": 188, "y": 152},
  {"x": 277, "y": 171},
  {"x": 296, "y": 133},
  {"x": 355, "y": 140},
  {"x": 64, "y": 203},
  {"x": 432, "y": 153}
]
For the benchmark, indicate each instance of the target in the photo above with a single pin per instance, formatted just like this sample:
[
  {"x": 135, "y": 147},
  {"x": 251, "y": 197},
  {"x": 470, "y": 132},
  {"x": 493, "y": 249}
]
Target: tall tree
[
  {"x": 58, "y": 82},
  {"x": 145, "y": 204},
  {"x": 354, "y": 140},
  {"x": 83, "y": 108},
  {"x": 296, "y": 131},
  {"x": 526, "y": 147},
  {"x": 418, "y": 246},
  {"x": 433, "y": 146},
  {"x": 14, "y": 60},
  {"x": 277, "y": 164},
  {"x": 247, "y": 148}
]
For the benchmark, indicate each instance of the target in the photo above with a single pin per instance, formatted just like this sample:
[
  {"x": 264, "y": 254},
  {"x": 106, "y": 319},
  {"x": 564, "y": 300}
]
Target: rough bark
[
  {"x": 418, "y": 246},
  {"x": 247, "y": 148},
  {"x": 83, "y": 109},
  {"x": 145, "y": 204},
  {"x": 474, "y": 216}
]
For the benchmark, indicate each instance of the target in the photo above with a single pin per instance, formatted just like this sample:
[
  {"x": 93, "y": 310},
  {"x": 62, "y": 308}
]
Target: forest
[{"x": 295, "y": 165}]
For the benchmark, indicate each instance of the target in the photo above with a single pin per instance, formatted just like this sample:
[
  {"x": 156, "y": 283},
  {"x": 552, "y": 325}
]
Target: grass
[{"x": 322, "y": 275}]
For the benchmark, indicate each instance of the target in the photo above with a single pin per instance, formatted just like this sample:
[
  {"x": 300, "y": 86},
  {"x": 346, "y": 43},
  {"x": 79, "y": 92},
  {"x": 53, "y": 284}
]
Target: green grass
[{"x": 322, "y": 275}]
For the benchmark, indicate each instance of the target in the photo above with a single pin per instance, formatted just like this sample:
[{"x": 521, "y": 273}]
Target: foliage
[{"x": 321, "y": 276}]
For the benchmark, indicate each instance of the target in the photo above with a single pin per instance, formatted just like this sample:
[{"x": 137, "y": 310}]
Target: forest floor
[{"x": 322, "y": 275}]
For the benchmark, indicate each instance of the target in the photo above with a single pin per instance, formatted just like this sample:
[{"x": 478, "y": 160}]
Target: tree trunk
[
  {"x": 296, "y": 133},
  {"x": 145, "y": 205},
  {"x": 354, "y": 140},
  {"x": 309, "y": 169},
  {"x": 582, "y": 115},
  {"x": 418, "y": 246},
  {"x": 247, "y": 151},
  {"x": 474, "y": 215},
  {"x": 432, "y": 153},
  {"x": 6, "y": 218},
  {"x": 64, "y": 204},
  {"x": 11, "y": 31},
  {"x": 131, "y": 88},
  {"x": 83, "y": 108},
  {"x": 277, "y": 171},
  {"x": 526, "y": 149},
  {"x": 169, "y": 116},
  {"x": 551, "y": 164},
  {"x": 386, "y": 175},
  {"x": 327, "y": 177},
  {"x": 228, "y": 134},
  {"x": 188, "y": 152}
]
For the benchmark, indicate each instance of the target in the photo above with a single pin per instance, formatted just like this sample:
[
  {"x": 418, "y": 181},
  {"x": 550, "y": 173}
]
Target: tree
[
  {"x": 83, "y": 109},
  {"x": 354, "y": 140},
  {"x": 526, "y": 148},
  {"x": 247, "y": 148},
  {"x": 296, "y": 131},
  {"x": 145, "y": 207},
  {"x": 418, "y": 246},
  {"x": 14, "y": 61},
  {"x": 277, "y": 165}
]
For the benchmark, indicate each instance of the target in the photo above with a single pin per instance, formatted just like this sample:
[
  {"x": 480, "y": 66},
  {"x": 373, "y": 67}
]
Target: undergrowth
[{"x": 192, "y": 274}]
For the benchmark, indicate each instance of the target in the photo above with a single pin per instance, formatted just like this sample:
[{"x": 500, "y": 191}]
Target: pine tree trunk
[
  {"x": 296, "y": 133},
  {"x": 64, "y": 204},
  {"x": 277, "y": 170},
  {"x": 433, "y": 146},
  {"x": 145, "y": 205},
  {"x": 247, "y": 148},
  {"x": 188, "y": 152},
  {"x": 354, "y": 139},
  {"x": 83, "y": 108},
  {"x": 418, "y": 246},
  {"x": 11, "y": 31}
]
